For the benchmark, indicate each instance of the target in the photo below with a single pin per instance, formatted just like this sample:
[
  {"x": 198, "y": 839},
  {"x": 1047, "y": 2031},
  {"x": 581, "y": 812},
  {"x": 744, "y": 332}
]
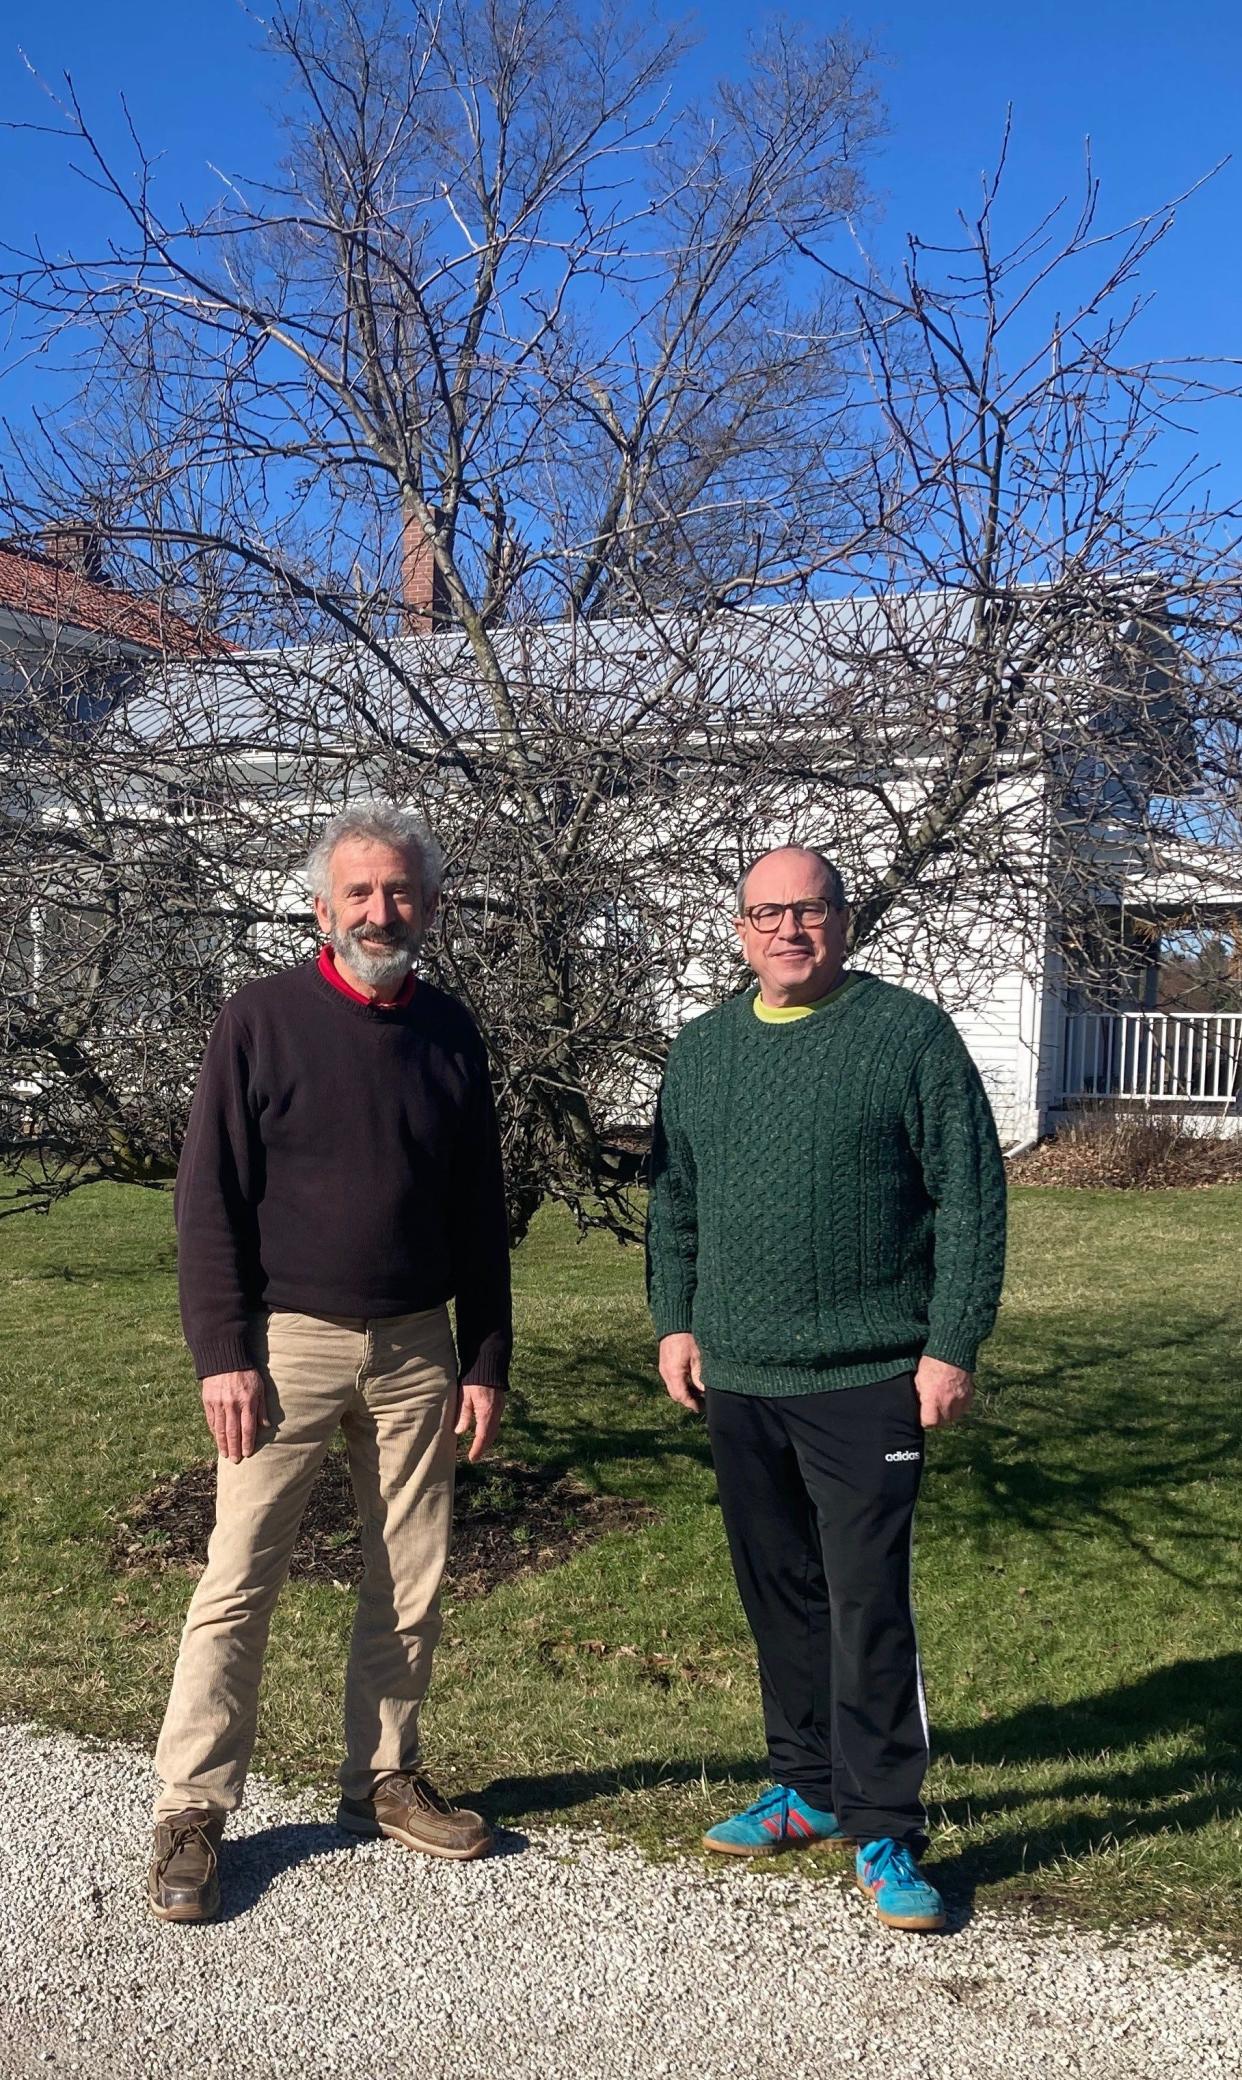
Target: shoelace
[
  {"x": 422, "y": 1791},
  {"x": 777, "y": 1799},
  {"x": 181, "y": 1835},
  {"x": 894, "y": 1866}
]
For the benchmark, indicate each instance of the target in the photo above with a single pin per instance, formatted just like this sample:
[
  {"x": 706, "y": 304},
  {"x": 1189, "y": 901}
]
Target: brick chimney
[
  {"x": 76, "y": 546},
  {"x": 424, "y": 595}
]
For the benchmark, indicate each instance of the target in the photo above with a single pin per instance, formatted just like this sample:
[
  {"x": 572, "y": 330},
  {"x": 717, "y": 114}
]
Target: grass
[{"x": 1078, "y": 1562}]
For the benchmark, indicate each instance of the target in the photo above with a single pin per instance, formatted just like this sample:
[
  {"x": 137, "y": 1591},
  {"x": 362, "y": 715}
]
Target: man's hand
[
  {"x": 234, "y": 1404},
  {"x": 945, "y": 1392},
  {"x": 483, "y": 1409},
  {"x": 681, "y": 1370}
]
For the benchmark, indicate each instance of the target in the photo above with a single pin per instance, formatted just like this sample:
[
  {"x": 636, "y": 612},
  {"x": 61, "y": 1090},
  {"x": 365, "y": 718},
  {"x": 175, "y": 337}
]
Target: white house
[{"x": 1050, "y": 1028}]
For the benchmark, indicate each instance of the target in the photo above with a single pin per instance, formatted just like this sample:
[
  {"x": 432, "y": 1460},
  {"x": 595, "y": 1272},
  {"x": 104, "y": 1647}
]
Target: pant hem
[
  {"x": 165, "y": 1808},
  {"x": 817, "y": 1795},
  {"x": 913, "y": 1838}
]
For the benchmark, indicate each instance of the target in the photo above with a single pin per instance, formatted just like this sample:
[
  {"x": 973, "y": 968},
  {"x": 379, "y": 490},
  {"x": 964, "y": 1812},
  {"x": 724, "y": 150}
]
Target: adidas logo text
[{"x": 889, "y": 1457}]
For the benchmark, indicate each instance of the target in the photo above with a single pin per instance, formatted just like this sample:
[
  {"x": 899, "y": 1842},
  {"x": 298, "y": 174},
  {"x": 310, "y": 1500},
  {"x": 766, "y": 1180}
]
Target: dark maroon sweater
[{"x": 341, "y": 1160}]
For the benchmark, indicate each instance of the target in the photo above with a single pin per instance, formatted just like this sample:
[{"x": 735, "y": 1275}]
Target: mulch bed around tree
[{"x": 511, "y": 1520}]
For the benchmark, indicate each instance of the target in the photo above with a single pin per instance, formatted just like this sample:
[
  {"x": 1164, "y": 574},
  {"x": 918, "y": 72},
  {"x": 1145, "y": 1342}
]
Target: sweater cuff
[
  {"x": 489, "y": 1366},
  {"x": 225, "y": 1352},
  {"x": 962, "y": 1350},
  {"x": 673, "y": 1318}
]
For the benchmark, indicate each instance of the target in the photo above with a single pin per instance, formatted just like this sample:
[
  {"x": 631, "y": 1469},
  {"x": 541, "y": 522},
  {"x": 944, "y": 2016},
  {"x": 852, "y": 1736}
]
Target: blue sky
[{"x": 1155, "y": 87}]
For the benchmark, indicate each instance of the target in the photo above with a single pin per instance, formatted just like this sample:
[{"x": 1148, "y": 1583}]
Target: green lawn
[{"x": 1078, "y": 1558}]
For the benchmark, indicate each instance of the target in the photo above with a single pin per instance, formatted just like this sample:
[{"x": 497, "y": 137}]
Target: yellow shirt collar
[{"x": 788, "y": 1014}]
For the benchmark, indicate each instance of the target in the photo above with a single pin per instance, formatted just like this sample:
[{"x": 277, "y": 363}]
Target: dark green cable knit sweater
[{"x": 828, "y": 1196}]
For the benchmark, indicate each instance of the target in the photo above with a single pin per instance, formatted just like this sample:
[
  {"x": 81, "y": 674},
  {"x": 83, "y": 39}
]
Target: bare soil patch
[{"x": 511, "y": 1520}]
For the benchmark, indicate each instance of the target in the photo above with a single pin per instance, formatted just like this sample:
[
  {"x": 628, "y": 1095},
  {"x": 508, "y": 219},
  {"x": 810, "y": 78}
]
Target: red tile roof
[{"x": 35, "y": 584}]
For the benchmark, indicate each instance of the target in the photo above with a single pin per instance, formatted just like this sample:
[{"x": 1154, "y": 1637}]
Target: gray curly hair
[{"x": 385, "y": 824}]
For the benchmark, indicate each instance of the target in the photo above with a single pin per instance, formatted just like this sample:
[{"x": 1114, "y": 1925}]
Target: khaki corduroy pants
[{"x": 391, "y": 1386}]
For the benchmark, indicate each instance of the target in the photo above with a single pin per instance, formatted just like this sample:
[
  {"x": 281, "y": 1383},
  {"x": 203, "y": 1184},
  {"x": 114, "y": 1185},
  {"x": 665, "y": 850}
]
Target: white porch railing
[{"x": 1156, "y": 1057}]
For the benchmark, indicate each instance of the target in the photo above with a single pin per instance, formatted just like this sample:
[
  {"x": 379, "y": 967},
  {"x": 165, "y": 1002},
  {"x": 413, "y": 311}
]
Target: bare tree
[
  {"x": 511, "y": 341},
  {"x": 553, "y": 471},
  {"x": 1067, "y": 696}
]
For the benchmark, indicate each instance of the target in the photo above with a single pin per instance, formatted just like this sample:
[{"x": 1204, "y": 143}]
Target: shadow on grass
[
  {"x": 629, "y": 1416},
  {"x": 1198, "y": 1703},
  {"x": 563, "y": 1792},
  {"x": 1102, "y": 1445},
  {"x": 1202, "y": 1699},
  {"x": 1099, "y": 1445}
]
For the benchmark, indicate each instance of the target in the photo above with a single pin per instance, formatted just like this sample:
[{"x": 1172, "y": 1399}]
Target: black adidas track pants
[{"x": 818, "y": 1495}]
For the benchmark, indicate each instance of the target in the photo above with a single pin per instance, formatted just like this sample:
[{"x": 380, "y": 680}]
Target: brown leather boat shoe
[
  {"x": 183, "y": 1881},
  {"x": 408, "y": 1808}
]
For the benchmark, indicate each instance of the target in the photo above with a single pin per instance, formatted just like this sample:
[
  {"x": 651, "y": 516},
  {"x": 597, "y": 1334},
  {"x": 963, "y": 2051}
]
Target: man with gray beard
[{"x": 340, "y": 1184}]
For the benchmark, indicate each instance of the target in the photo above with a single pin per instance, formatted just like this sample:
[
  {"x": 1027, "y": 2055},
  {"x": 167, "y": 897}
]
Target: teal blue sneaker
[
  {"x": 888, "y": 1874},
  {"x": 778, "y": 1820}
]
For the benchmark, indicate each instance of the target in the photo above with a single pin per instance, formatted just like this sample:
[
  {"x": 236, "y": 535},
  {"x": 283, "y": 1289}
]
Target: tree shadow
[
  {"x": 1079, "y": 1448},
  {"x": 1202, "y": 1699},
  {"x": 1088, "y": 1447},
  {"x": 1198, "y": 1703},
  {"x": 648, "y": 1427}
]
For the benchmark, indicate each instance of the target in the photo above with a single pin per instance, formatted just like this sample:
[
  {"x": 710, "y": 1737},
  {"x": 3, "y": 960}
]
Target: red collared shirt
[{"x": 331, "y": 973}]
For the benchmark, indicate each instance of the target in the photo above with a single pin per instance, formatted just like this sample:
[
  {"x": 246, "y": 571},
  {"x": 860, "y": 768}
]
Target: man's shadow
[
  {"x": 558, "y": 1795},
  {"x": 250, "y": 1864},
  {"x": 1198, "y": 1703}
]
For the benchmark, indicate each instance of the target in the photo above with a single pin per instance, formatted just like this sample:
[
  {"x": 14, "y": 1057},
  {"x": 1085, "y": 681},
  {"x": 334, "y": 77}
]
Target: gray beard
[{"x": 378, "y": 968}]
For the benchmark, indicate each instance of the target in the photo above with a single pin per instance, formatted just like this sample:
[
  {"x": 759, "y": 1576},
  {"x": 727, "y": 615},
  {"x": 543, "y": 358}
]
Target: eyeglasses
[{"x": 765, "y": 917}]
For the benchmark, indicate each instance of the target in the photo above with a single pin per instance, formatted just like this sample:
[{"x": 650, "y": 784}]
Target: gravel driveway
[{"x": 558, "y": 1959}]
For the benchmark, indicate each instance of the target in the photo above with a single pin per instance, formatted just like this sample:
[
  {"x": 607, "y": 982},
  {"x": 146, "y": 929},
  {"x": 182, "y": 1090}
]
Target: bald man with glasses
[{"x": 825, "y": 1254}]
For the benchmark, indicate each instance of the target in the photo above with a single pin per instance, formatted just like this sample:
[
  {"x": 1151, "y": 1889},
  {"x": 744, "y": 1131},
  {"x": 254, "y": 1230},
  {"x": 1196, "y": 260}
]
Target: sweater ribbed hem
[
  {"x": 728, "y": 1376},
  {"x": 230, "y": 1354},
  {"x": 352, "y": 1303}
]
